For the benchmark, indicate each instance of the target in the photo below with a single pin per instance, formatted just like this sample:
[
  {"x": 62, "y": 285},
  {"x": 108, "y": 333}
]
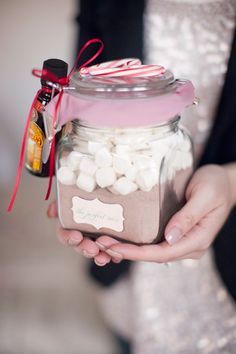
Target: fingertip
[
  {"x": 117, "y": 261},
  {"x": 88, "y": 248},
  {"x": 104, "y": 242},
  {"x": 63, "y": 235},
  {"x": 52, "y": 210},
  {"x": 75, "y": 238},
  {"x": 101, "y": 246},
  {"x": 100, "y": 264},
  {"x": 114, "y": 254},
  {"x": 102, "y": 259},
  {"x": 173, "y": 235}
]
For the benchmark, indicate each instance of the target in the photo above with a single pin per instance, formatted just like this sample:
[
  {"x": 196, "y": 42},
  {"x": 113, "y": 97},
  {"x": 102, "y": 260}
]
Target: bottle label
[
  {"x": 34, "y": 147},
  {"x": 34, "y": 116},
  {"x": 38, "y": 106},
  {"x": 98, "y": 214}
]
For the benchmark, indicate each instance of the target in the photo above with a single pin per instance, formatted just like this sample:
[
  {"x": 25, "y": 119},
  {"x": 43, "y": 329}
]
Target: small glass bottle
[{"x": 38, "y": 147}]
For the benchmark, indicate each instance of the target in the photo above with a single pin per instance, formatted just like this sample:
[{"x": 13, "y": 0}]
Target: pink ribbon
[{"x": 62, "y": 82}]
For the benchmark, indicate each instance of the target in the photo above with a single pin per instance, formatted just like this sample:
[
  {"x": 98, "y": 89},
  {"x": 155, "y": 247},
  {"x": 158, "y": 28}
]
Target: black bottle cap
[{"x": 57, "y": 67}]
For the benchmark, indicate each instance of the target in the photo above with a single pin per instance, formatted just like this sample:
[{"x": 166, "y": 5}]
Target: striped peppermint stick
[
  {"x": 130, "y": 67},
  {"x": 119, "y": 63}
]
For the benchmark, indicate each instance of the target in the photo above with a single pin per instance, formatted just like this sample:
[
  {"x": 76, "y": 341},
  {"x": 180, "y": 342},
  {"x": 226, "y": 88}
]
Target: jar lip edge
[{"x": 172, "y": 120}]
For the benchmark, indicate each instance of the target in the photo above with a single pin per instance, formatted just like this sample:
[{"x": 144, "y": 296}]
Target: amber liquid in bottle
[
  {"x": 37, "y": 137},
  {"x": 37, "y": 142}
]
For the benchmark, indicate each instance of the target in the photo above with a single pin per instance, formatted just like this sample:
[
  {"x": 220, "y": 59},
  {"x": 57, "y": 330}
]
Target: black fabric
[
  {"x": 123, "y": 345},
  {"x": 119, "y": 23},
  {"x": 109, "y": 274},
  {"x": 221, "y": 146},
  {"x": 225, "y": 254},
  {"x": 220, "y": 149}
]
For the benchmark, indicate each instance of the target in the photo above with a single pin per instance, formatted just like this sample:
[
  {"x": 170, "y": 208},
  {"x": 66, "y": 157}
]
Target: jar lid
[
  {"x": 123, "y": 101},
  {"x": 122, "y": 87}
]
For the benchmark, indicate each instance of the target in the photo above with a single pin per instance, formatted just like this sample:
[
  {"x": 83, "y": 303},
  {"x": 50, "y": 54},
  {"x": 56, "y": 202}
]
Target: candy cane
[
  {"x": 119, "y": 63},
  {"x": 124, "y": 67}
]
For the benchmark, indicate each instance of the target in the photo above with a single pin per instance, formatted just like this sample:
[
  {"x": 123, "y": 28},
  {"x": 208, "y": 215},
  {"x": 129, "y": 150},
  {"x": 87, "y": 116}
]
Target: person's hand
[
  {"x": 190, "y": 231},
  {"x": 188, "y": 234},
  {"x": 79, "y": 243}
]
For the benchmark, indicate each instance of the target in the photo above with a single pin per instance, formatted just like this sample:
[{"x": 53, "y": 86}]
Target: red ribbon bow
[{"x": 62, "y": 82}]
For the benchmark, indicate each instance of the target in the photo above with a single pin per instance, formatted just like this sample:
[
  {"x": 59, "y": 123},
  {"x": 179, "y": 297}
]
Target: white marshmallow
[
  {"x": 146, "y": 179},
  {"x": 122, "y": 149},
  {"x": 81, "y": 146},
  {"x": 131, "y": 173},
  {"x": 124, "y": 186},
  {"x": 177, "y": 158},
  {"x": 121, "y": 164},
  {"x": 123, "y": 139},
  {"x": 113, "y": 191},
  {"x": 66, "y": 176},
  {"x": 144, "y": 147},
  {"x": 73, "y": 160},
  {"x": 174, "y": 141},
  {"x": 158, "y": 157},
  {"x": 63, "y": 161},
  {"x": 94, "y": 146},
  {"x": 159, "y": 147},
  {"x": 105, "y": 177},
  {"x": 144, "y": 162},
  {"x": 103, "y": 157},
  {"x": 186, "y": 145},
  {"x": 88, "y": 166},
  {"x": 86, "y": 182},
  {"x": 187, "y": 160}
]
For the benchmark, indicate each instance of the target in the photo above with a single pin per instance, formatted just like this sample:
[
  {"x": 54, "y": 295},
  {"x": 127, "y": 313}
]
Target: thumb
[{"x": 184, "y": 220}]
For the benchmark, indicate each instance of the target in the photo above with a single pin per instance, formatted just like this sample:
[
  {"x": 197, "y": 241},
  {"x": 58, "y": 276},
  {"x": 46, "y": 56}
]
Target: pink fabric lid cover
[{"x": 124, "y": 112}]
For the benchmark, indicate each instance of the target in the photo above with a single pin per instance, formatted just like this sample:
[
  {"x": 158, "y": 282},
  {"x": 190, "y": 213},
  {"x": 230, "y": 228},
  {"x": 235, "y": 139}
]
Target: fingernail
[
  {"x": 100, "y": 264},
  {"x": 73, "y": 241},
  {"x": 74, "y": 238},
  {"x": 115, "y": 260},
  {"x": 101, "y": 246},
  {"x": 114, "y": 254},
  {"x": 173, "y": 235},
  {"x": 88, "y": 255}
]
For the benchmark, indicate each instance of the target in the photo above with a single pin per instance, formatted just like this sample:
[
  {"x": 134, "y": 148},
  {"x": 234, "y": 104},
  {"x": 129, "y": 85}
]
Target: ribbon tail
[
  {"x": 52, "y": 153},
  {"x": 51, "y": 168},
  {"x": 85, "y": 46},
  {"x": 22, "y": 153}
]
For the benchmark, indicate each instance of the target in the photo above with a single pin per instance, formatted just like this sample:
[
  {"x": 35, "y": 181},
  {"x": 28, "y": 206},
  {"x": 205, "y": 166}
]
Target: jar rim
[{"x": 81, "y": 123}]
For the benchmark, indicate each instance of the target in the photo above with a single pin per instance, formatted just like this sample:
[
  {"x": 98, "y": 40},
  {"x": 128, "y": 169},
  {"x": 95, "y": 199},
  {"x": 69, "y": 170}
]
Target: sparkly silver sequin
[
  {"x": 193, "y": 39},
  {"x": 180, "y": 309},
  {"x": 183, "y": 308}
]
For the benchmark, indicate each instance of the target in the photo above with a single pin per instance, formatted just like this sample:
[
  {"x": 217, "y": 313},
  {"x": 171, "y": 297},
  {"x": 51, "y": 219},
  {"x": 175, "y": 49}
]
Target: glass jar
[{"x": 122, "y": 180}]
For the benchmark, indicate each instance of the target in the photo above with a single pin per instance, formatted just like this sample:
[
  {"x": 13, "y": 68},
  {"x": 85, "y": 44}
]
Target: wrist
[{"x": 231, "y": 173}]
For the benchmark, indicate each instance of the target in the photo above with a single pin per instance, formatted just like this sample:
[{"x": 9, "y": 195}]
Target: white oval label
[{"x": 98, "y": 214}]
